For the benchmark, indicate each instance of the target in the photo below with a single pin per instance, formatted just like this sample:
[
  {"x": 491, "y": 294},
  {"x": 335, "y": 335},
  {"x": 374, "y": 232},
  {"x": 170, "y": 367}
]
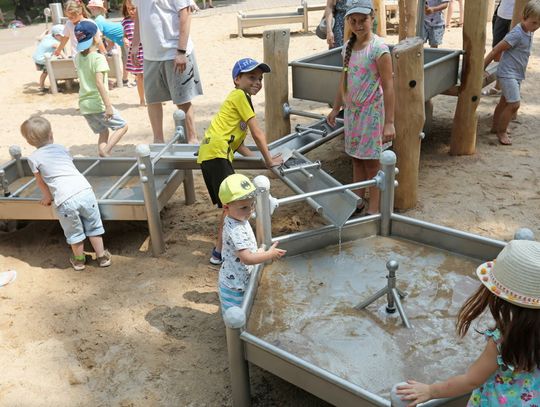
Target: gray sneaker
[
  {"x": 77, "y": 264},
  {"x": 105, "y": 259}
]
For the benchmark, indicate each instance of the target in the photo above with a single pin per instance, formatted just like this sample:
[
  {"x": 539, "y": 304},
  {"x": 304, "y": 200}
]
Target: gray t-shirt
[
  {"x": 435, "y": 19},
  {"x": 237, "y": 235},
  {"x": 55, "y": 165},
  {"x": 514, "y": 61}
]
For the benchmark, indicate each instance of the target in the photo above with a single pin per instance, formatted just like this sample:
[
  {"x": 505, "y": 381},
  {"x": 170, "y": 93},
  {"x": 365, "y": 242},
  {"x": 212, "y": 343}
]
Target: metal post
[
  {"x": 146, "y": 174},
  {"x": 263, "y": 210},
  {"x": 387, "y": 184},
  {"x": 179, "y": 125},
  {"x": 189, "y": 184},
  {"x": 4, "y": 185},
  {"x": 15, "y": 152},
  {"x": 235, "y": 320}
]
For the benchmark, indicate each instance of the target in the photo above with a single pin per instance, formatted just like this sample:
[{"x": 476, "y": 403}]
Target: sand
[{"x": 147, "y": 331}]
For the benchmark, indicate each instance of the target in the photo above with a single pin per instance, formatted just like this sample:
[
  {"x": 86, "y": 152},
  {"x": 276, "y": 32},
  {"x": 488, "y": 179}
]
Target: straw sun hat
[{"x": 514, "y": 275}]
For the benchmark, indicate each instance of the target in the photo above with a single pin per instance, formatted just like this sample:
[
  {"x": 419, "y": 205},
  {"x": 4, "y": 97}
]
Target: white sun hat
[{"x": 514, "y": 275}]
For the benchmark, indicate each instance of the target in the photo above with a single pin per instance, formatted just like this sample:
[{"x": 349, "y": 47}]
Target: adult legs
[
  {"x": 191, "y": 132},
  {"x": 155, "y": 114}
]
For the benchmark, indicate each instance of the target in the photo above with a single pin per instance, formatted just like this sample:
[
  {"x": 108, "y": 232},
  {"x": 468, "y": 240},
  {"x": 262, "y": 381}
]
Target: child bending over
[
  {"x": 516, "y": 49},
  {"x": 68, "y": 190},
  {"x": 508, "y": 370},
  {"x": 240, "y": 254},
  {"x": 47, "y": 45},
  {"x": 94, "y": 102}
]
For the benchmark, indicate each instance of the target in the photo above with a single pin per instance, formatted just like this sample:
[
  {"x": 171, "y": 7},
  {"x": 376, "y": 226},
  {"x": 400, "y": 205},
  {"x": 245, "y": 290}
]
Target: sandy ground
[{"x": 146, "y": 331}]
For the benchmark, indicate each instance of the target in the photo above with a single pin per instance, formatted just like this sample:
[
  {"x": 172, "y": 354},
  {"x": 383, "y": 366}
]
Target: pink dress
[
  {"x": 129, "y": 27},
  {"x": 364, "y": 104}
]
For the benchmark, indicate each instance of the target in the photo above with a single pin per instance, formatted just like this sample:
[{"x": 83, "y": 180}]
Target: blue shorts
[
  {"x": 229, "y": 297},
  {"x": 79, "y": 217},
  {"x": 99, "y": 123},
  {"x": 434, "y": 34},
  {"x": 510, "y": 89}
]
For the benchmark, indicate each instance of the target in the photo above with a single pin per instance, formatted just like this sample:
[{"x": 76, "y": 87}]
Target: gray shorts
[
  {"x": 99, "y": 123},
  {"x": 434, "y": 34},
  {"x": 79, "y": 217},
  {"x": 162, "y": 83},
  {"x": 510, "y": 89}
]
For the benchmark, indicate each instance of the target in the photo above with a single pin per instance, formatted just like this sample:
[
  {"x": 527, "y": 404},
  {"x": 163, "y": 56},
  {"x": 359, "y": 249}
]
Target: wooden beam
[
  {"x": 519, "y": 5},
  {"x": 380, "y": 15},
  {"x": 407, "y": 18},
  {"x": 463, "y": 139},
  {"x": 276, "y": 83},
  {"x": 408, "y": 64}
]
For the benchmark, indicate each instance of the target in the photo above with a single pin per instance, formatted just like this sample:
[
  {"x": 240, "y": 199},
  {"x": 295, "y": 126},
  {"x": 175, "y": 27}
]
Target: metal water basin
[{"x": 316, "y": 77}]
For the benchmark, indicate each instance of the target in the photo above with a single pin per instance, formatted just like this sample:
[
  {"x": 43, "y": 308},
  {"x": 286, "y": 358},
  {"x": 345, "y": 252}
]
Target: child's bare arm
[
  {"x": 104, "y": 94},
  {"x": 260, "y": 139},
  {"x": 246, "y": 152},
  {"x": 338, "y": 102},
  {"x": 497, "y": 50},
  {"x": 61, "y": 46},
  {"x": 249, "y": 258},
  {"x": 476, "y": 375},
  {"x": 384, "y": 66},
  {"x": 47, "y": 196}
]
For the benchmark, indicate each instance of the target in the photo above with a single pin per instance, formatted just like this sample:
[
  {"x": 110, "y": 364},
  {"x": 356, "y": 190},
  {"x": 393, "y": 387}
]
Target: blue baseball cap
[
  {"x": 247, "y": 65},
  {"x": 85, "y": 32}
]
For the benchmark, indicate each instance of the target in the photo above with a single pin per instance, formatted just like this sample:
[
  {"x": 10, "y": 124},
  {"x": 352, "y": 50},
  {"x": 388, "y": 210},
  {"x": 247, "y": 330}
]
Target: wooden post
[
  {"x": 408, "y": 64},
  {"x": 407, "y": 18},
  {"x": 491, "y": 10},
  {"x": 463, "y": 140},
  {"x": 519, "y": 5},
  {"x": 276, "y": 83},
  {"x": 380, "y": 15}
]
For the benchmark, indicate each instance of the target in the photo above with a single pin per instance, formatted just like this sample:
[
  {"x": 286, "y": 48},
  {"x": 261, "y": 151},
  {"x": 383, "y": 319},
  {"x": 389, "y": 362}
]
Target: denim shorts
[
  {"x": 510, "y": 89},
  {"x": 99, "y": 123},
  {"x": 434, "y": 34},
  {"x": 79, "y": 217}
]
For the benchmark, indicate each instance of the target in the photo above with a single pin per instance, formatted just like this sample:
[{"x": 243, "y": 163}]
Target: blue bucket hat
[
  {"x": 359, "y": 6},
  {"x": 247, "y": 65},
  {"x": 85, "y": 32}
]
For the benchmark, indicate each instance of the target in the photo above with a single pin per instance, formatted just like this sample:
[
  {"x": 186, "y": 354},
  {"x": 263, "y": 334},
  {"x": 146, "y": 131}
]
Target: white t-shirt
[
  {"x": 159, "y": 27},
  {"x": 55, "y": 165},
  {"x": 69, "y": 31},
  {"x": 237, "y": 235},
  {"x": 506, "y": 9}
]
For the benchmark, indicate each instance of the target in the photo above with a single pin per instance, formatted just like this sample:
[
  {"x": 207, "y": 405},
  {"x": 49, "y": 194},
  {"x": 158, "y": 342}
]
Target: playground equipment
[
  {"x": 258, "y": 20},
  {"x": 299, "y": 320},
  {"x": 64, "y": 68}
]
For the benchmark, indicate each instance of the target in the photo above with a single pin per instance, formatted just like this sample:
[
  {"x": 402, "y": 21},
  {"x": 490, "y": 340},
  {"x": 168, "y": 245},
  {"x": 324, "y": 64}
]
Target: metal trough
[
  {"x": 299, "y": 321},
  {"x": 441, "y": 68}
]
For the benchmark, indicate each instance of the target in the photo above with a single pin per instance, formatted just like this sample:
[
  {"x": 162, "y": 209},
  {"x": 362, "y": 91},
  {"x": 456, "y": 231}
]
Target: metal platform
[
  {"x": 441, "y": 72},
  {"x": 299, "y": 319}
]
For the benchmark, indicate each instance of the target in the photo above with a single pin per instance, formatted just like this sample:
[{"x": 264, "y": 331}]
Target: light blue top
[
  {"x": 47, "y": 45},
  {"x": 435, "y": 19},
  {"x": 514, "y": 61},
  {"x": 507, "y": 387},
  {"x": 111, "y": 30},
  {"x": 55, "y": 165}
]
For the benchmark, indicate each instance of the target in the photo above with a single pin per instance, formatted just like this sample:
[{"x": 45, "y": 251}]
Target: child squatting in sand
[{"x": 68, "y": 190}]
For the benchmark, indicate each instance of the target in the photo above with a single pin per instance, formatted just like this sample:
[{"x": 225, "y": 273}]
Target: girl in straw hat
[{"x": 508, "y": 370}]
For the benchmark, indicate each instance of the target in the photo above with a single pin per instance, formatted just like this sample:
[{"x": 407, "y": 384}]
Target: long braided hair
[{"x": 348, "y": 51}]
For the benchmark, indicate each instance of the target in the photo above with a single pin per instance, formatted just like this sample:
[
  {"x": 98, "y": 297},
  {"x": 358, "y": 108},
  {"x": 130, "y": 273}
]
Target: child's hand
[
  {"x": 331, "y": 118},
  {"x": 276, "y": 161},
  {"x": 389, "y": 133},
  {"x": 428, "y": 11},
  {"x": 46, "y": 200},
  {"x": 414, "y": 392},
  {"x": 108, "y": 112},
  {"x": 275, "y": 252}
]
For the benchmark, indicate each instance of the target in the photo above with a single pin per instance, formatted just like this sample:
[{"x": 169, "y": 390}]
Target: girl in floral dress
[
  {"x": 507, "y": 373},
  {"x": 367, "y": 94}
]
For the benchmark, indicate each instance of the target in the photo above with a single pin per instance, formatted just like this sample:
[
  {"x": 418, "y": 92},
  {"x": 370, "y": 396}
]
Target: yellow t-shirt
[{"x": 228, "y": 128}]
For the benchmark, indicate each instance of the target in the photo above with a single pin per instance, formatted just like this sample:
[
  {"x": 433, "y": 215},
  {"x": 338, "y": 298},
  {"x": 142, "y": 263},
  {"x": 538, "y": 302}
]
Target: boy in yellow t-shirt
[{"x": 227, "y": 133}]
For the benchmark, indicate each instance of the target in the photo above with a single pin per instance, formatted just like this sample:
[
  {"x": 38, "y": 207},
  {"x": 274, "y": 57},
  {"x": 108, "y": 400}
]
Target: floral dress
[
  {"x": 364, "y": 103},
  {"x": 340, "y": 9},
  {"x": 506, "y": 387}
]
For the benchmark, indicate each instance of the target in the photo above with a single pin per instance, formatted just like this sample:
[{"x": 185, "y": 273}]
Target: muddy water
[{"x": 305, "y": 306}]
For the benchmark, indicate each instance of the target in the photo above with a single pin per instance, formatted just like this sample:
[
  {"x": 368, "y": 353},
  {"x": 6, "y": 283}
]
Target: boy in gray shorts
[
  {"x": 434, "y": 22},
  {"x": 516, "y": 49},
  {"x": 66, "y": 188}
]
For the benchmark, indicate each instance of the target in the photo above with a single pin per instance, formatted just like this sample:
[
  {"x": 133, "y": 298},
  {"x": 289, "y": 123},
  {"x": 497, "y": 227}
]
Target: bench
[
  {"x": 64, "y": 68},
  {"x": 258, "y": 20}
]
